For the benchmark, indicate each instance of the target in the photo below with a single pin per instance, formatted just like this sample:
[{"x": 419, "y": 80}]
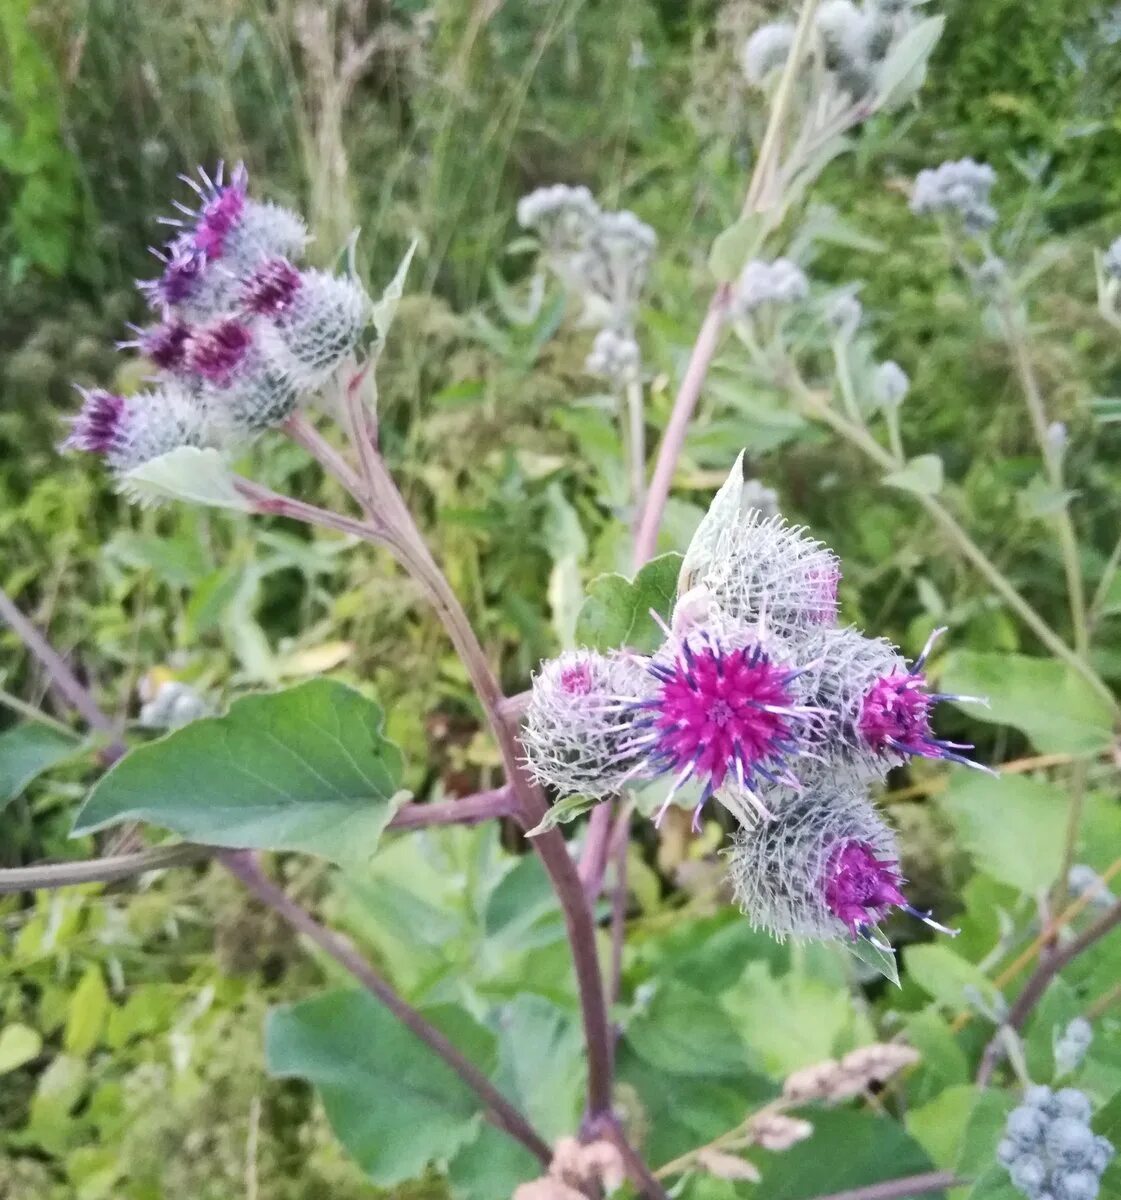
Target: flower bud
[
  {"x": 890, "y": 385},
  {"x": 766, "y": 50},
  {"x": 779, "y": 283},
  {"x": 957, "y": 189},
  {"x": 130, "y": 430}
]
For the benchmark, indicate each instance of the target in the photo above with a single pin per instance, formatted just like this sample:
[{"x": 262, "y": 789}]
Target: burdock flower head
[
  {"x": 825, "y": 867},
  {"x": 130, "y": 430},
  {"x": 780, "y": 283},
  {"x": 579, "y": 735},
  {"x": 874, "y": 709},
  {"x": 762, "y": 570}
]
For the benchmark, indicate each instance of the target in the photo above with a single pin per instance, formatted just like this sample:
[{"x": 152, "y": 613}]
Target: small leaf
[
  {"x": 921, "y": 476},
  {"x": 385, "y": 309},
  {"x": 1013, "y": 827},
  {"x": 617, "y": 610},
  {"x": 875, "y": 956},
  {"x": 904, "y": 69},
  {"x": 946, "y": 976},
  {"x": 562, "y": 812},
  {"x": 89, "y": 1009},
  {"x": 303, "y": 769},
  {"x": 1047, "y": 700},
  {"x": 393, "y": 1104},
  {"x": 19, "y": 1044},
  {"x": 26, "y": 752},
  {"x": 186, "y": 473},
  {"x": 732, "y": 248}
]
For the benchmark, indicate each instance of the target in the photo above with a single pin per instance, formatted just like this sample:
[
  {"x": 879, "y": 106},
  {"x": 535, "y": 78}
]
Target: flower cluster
[
  {"x": 959, "y": 190},
  {"x": 756, "y": 699},
  {"x": 603, "y": 259},
  {"x": 834, "y": 1081},
  {"x": 1049, "y": 1149},
  {"x": 778, "y": 283},
  {"x": 241, "y": 336}
]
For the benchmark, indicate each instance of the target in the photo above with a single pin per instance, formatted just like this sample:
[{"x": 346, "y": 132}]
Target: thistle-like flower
[
  {"x": 164, "y": 344},
  {"x": 959, "y": 190},
  {"x": 190, "y": 284},
  {"x": 579, "y": 728},
  {"x": 1049, "y": 1149},
  {"x": 874, "y": 709},
  {"x": 759, "y": 569},
  {"x": 310, "y": 321},
  {"x": 562, "y": 216},
  {"x": 240, "y": 380},
  {"x": 230, "y": 227},
  {"x": 726, "y": 713},
  {"x": 824, "y": 867},
  {"x": 611, "y": 268},
  {"x": 130, "y": 430},
  {"x": 765, "y": 51}
]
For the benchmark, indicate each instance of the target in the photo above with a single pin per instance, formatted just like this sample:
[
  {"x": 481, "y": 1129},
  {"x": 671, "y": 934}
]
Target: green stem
[
  {"x": 636, "y": 446},
  {"x": 34, "y": 714},
  {"x": 1014, "y": 337},
  {"x": 844, "y": 382},
  {"x": 1102, "y": 590}
]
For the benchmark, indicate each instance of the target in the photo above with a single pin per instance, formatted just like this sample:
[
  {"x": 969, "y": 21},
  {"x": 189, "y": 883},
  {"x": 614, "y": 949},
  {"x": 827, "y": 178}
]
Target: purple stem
[
  {"x": 899, "y": 1189},
  {"x": 593, "y": 859},
  {"x": 483, "y": 806},
  {"x": 243, "y": 865},
  {"x": 646, "y": 539},
  {"x": 1037, "y": 984},
  {"x": 62, "y": 678}
]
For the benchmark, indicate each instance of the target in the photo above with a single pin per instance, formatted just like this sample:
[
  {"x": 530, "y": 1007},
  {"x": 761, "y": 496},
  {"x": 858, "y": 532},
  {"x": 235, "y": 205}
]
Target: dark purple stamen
[
  {"x": 271, "y": 288},
  {"x": 165, "y": 344},
  {"x": 216, "y": 350},
  {"x": 97, "y": 427}
]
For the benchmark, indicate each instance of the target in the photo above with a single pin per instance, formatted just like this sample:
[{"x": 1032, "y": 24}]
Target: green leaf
[
  {"x": 939, "y": 1125},
  {"x": 386, "y": 307},
  {"x": 541, "y": 1063},
  {"x": 734, "y": 246},
  {"x": 945, "y": 975},
  {"x": 994, "y": 1184},
  {"x": 617, "y": 610},
  {"x": 982, "y": 1132},
  {"x": 393, "y": 1104},
  {"x": 681, "y": 1031},
  {"x": 1047, "y": 700},
  {"x": 26, "y": 752},
  {"x": 1107, "y": 1123},
  {"x": 89, "y": 1009},
  {"x": 921, "y": 476},
  {"x": 1013, "y": 826},
  {"x": 562, "y": 812},
  {"x": 882, "y": 961},
  {"x": 847, "y": 1150},
  {"x": 904, "y": 69},
  {"x": 303, "y": 769},
  {"x": 186, "y": 473},
  {"x": 1059, "y": 1006},
  {"x": 19, "y": 1044}
]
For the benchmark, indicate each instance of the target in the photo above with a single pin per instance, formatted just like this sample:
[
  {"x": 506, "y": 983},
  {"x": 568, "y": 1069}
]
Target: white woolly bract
[
  {"x": 561, "y": 215},
  {"x": 262, "y": 231},
  {"x": 614, "y": 357},
  {"x": 156, "y": 422},
  {"x": 781, "y": 282},
  {"x": 259, "y": 395},
  {"x": 322, "y": 326},
  {"x": 842, "y": 665},
  {"x": 609, "y": 271},
  {"x": 766, "y": 50},
  {"x": 579, "y": 727},
  {"x": 959, "y": 189},
  {"x": 762, "y": 569},
  {"x": 777, "y": 868}
]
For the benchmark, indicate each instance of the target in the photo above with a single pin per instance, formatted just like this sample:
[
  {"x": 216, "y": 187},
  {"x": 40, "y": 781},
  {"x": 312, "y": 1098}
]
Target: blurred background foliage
[{"x": 407, "y": 118}]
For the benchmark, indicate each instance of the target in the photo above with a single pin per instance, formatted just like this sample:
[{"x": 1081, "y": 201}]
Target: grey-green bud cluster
[{"x": 1049, "y": 1149}]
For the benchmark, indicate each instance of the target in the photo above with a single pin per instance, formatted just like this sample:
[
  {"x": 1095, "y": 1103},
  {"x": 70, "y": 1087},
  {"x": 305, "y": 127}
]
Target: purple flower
[
  {"x": 220, "y": 209},
  {"x": 216, "y": 350},
  {"x": 895, "y": 714},
  {"x": 183, "y": 270},
  {"x": 271, "y": 288},
  {"x": 98, "y": 427},
  {"x": 165, "y": 344},
  {"x": 720, "y": 715},
  {"x": 861, "y": 888}
]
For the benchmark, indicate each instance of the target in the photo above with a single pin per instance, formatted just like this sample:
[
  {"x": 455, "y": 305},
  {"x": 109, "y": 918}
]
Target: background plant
[{"x": 241, "y": 611}]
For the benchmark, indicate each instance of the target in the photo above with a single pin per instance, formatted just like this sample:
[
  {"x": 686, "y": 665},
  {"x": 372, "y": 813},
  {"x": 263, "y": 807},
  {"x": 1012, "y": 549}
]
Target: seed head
[{"x": 615, "y": 357}]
